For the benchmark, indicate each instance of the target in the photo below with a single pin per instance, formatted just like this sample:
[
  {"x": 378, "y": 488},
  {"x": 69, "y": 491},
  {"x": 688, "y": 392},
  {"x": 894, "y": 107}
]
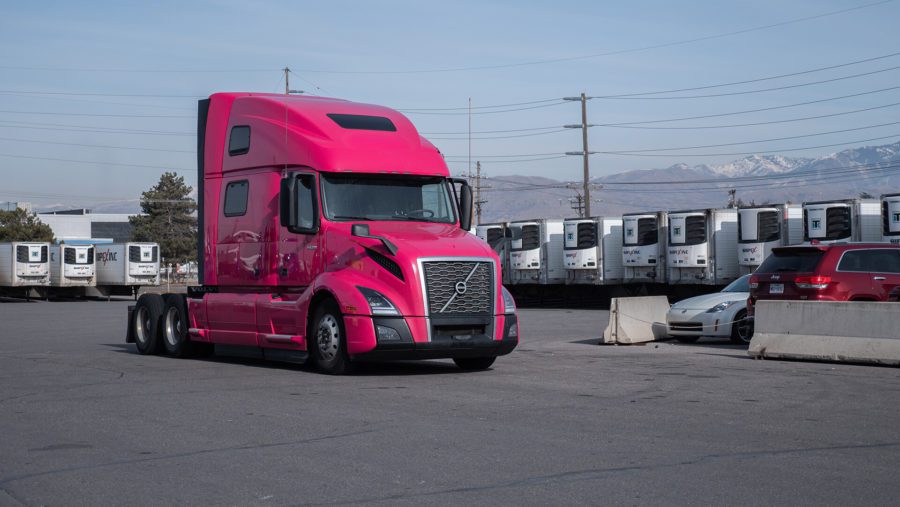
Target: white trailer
[
  {"x": 644, "y": 244},
  {"x": 536, "y": 253},
  {"x": 890, "y": 218},
  {"x": 123, "y": 268},
  {"x": 842, "y": 220},
  {"x": 72, "y": 266},
  {"x": 495, "y": 236},
  {"x": 703, "y": 247},
  {"x": 762, "y": 228},
  {"x": 24, "y": 264},
  {"x": 593, "y": 250}
]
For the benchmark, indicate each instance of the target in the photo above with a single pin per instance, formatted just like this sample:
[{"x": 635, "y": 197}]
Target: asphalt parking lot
[{"x": 85, "y": 420}]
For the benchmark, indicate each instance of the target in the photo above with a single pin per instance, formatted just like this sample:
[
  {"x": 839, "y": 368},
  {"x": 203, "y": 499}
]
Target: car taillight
[
  {"x": 812, "y": 282},
  {"x": 754, "y": 282}
]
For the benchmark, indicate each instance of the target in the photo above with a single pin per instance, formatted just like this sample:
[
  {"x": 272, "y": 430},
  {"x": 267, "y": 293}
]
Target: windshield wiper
[{"x": 353, "y": 217}]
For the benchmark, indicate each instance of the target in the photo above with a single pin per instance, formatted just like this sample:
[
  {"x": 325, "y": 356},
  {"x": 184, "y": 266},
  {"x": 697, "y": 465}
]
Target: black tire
[
  {"x": 687, "y": 339},
  {"x": 145, "y": 322},
  {"x": 174, "y": 327},
  {"x": 474, "y": 363},
  {"x": 741, "y": 329},
  {"x": 328, "y": 339}
]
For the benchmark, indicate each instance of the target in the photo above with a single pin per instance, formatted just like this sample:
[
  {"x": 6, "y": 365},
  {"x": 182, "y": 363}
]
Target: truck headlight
[
  {"x": 509, "y": 304},
  {"x": 721, "y": 307},
  {"x": 378, "y": 303}
]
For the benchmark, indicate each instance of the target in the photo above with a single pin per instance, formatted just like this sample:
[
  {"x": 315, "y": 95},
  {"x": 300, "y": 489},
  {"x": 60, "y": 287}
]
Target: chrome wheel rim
[
  {"x": 174, "y": 327},
  {"x": 142, "y": 324},
  {"x": 328, "y": 338}
]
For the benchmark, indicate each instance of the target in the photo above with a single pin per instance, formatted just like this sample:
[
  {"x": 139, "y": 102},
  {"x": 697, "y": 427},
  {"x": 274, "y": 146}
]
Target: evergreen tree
[
  {"x": 20, "y": 225},
  {"x": 168, "y": 219}
]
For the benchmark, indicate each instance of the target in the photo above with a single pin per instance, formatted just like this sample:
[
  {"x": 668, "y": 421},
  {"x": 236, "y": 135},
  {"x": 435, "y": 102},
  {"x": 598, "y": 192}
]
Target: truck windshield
[{"x": 400, "y": 198}]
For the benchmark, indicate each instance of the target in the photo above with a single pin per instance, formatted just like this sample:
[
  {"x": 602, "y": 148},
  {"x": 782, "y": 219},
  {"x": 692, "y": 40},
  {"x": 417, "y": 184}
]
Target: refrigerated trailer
[
  {"x": 495, "y": 236},
  {"x": 536, "y": 253},
  {"x": 762, "y": 228},
  {"x": 123, "y": 268},
  {"x": 843, "y": 220},
  {"x": 24, "y": 268},
  {"x": 592, "y": 249},
  {"x": 644, "y": 247},
  {"x": 703, "y": 247},
  {"x": 72, "y": 266},
  {"x": 890, "y": 218},
  {"x": 329, "y": 231}
]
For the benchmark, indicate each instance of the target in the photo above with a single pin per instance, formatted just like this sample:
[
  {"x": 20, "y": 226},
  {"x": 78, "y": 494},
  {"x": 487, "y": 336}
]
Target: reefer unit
[
  {"x": 890, "y": 218},
  {"x": 24, "y": 264},
  {"x": 842, "y": 220},
  {"x": 72, "y": 266},
  {"x": 592, "y": 249},
  {"x": 644, "y": 243},
  {"x": 123, "y": 267},
  {"x": 495, "y": 236},
  {"x": 761, "y": 228},
  {"x": 703, "y": 247},
  {"x": 536, "y": 256}
]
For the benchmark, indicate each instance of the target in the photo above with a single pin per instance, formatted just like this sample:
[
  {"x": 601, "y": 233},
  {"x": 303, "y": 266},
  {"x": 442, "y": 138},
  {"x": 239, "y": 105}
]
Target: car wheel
[
  {"x": 741, "y": 329},
  {"x": 474, "y": 363},
  {"x": 146, "y": 323},
  {"x": 328, "y": 339}
]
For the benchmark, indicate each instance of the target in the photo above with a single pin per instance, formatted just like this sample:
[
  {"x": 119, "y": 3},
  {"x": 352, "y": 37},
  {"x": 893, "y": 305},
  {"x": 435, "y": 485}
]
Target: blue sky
[{"x": 168, "y": 54}]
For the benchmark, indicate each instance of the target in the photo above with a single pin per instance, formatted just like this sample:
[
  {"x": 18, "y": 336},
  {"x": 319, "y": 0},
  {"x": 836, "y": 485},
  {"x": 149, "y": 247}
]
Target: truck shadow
[{"x": 363, "y": 369}]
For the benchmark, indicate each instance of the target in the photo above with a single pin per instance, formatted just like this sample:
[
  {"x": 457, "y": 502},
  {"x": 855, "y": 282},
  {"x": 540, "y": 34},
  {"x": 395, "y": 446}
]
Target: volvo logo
[{"x": 461, "y": 288}]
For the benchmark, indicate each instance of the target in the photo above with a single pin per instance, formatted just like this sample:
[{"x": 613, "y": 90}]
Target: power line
[
  {"x": 748, "y": 81},
  {"x": 492, "y": 131},
  {"x": 497, "y": 111},
  {"x": 495, "y": 106},
  {"x": 98, "y": 115},
  {"x": 97, "y": 145},
  {"x": 80, "y": 94},
  {"x": 755, "y": 124},
  {"x": 753, "y": 142},
  {"x": 500, "y": 137},
  {"x": 91, "y": 162},
  {"x": 744, "y": 153},
  {"x": 606, "y": 53},
  {"x": 747, "y": 111},
  {"x": 87, "y": 128},
  {"x": 761, "y": 90}
]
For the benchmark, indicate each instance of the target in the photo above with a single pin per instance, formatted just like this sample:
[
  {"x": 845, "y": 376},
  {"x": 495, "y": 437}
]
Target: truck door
[{"x": 299, "y": 246}]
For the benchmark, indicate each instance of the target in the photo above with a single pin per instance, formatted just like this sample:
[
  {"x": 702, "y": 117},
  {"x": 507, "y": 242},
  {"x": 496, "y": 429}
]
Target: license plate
[{"x": 776, "y": 288}]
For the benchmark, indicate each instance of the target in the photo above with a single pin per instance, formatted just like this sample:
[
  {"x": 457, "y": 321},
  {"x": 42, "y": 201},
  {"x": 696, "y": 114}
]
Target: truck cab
[{"x": 332, "y": 231}]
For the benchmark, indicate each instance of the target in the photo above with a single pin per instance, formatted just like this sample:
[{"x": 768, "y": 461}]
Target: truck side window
[
  {"x": 239, "y": 141},
  {"x": 306, "y": 202},
  {"x": 236, "y": 198}
]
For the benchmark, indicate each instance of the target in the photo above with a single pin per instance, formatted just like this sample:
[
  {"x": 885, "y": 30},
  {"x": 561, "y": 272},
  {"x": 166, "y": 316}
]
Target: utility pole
[
  {"x": 732, "y": 198},
  {"x": 577, "y": 204},
  {"x": 586, "y": 184},
  {"x": 478, "y": 187},
  {"x": 287, "y": 84}
]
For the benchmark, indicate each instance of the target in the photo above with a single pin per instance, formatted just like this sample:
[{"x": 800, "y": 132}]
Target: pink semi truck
[{"x": 329, "y": 231}]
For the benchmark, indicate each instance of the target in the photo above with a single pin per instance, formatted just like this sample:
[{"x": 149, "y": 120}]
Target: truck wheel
[
  {"x": 328, "y": 339},
  {"x": 474, "y": 363},
  {"x": 175, "y": 327},
  {"x": 146, "y": 323},
  {"x": 741, "y": 330}
]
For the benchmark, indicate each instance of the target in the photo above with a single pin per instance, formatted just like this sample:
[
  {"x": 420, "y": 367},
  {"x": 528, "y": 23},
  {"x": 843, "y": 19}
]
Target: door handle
[{"x": 879, "y": 278}]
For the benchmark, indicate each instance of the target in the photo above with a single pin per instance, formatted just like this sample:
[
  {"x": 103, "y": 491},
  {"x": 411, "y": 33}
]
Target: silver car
[{"x": 721, "y": 313}]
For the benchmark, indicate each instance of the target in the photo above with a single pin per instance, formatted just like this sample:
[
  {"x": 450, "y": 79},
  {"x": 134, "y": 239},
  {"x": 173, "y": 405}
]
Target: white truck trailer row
[{"x": 692, "y": 247}]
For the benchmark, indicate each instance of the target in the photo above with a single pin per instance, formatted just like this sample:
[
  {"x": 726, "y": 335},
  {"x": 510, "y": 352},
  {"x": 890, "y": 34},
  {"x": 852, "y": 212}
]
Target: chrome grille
[{"x": 459, "y": 287}]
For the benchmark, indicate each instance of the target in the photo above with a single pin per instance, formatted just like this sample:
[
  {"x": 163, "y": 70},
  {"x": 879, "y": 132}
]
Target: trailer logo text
[{"x": 106, "y": 256}]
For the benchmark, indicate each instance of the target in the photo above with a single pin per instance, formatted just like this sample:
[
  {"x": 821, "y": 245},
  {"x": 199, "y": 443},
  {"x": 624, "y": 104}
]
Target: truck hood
[{"x": 421, "y": 239}]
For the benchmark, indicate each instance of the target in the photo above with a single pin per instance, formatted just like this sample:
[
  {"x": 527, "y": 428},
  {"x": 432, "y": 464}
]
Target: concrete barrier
[
  {"x": 853, "y": 332},
  {"x": 636, "y": 320}
]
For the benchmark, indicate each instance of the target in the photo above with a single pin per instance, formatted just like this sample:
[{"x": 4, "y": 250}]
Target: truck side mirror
[
  {"x": 465, "y": 207},
  {"x": 362, "y": 231},
  {"x": 288, "y": 202}
]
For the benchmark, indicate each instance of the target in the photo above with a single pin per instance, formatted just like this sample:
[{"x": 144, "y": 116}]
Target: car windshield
[
  {"x": 400, "y": 198},
  {"x": 791, "y": 261},
  {"x": 742, "y": 284}
]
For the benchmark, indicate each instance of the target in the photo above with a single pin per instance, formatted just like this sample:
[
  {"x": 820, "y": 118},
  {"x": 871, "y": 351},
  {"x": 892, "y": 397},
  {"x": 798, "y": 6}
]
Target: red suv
[{"x": 835, "y": 272}]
